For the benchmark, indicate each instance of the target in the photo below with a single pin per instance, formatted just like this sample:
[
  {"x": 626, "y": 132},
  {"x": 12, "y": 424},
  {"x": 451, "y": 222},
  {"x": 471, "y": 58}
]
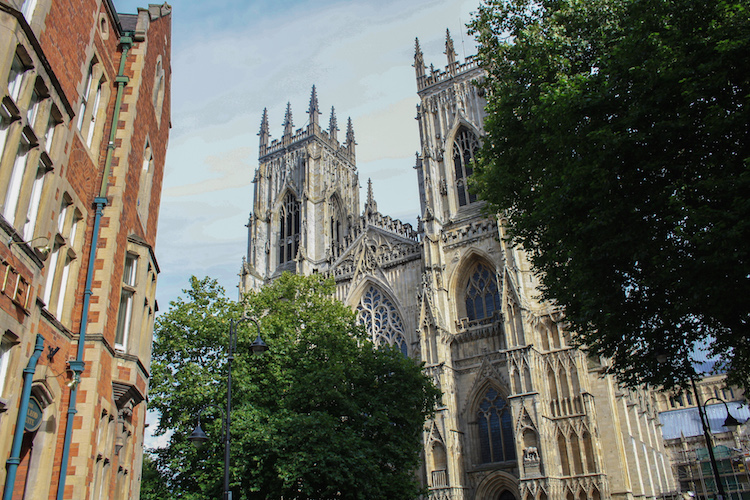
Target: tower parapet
[
  {"x": 292, "y": 136},
  {"x": 452, "y": 69}
]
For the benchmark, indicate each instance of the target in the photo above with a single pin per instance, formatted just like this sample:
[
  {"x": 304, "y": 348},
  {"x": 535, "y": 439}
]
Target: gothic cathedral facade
[{"x": 524, "y": 414}]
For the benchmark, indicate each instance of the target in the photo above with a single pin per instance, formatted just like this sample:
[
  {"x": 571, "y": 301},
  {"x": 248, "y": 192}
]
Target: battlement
[
  {"x": 312, "y": 130},
  {"x": 437, "y": 76},
  {"x": 304, "y": 134},
  {"x": 452, "y": 70},
  {"x": 391, "y": 225}
]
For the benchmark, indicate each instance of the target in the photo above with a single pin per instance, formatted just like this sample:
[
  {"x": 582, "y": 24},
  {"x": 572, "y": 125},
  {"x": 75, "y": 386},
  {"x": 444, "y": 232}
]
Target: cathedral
[{"x": 524, "y": 415}]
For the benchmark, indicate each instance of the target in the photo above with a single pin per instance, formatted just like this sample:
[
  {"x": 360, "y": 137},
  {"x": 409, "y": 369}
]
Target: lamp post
[
  {"x": 730, "y": 423},
  {"x": 199, "y": 437}
]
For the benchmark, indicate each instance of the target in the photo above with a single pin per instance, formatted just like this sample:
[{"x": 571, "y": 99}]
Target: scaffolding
[{"x": 696, "y": 479}]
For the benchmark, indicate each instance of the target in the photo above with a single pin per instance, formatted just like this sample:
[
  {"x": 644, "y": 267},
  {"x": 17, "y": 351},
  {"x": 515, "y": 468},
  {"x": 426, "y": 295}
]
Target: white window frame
[
  {"x": 74, "y": 229},
  {"x": 5, "y": 122},
  {"x": 5, "y": 347},
  {"x": 61, "y": 218},
  {"x": 85, "y": 96},
  {"x": 34, "y": 202},
  {"x": 94, "y": 113},
  {"x": 65, "y": 248},
  {"x": 51, "y": 272},
  {"x": 49, "y": 133},
  {"x": 33, "y": 111},
  {"x": 63, "y": 287},
  {"x": 127, "y": 297},
  {"x": 15, "y": 78},
  {"x": 28, "y": 9},
  {"x": 15, "y": 184}
]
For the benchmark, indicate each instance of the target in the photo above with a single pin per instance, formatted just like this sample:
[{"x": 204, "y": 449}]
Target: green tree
[
  {"x": 618, "y": 149},
  {"x": 153, "y": 482},
  {"x": 322, "y": 414}
]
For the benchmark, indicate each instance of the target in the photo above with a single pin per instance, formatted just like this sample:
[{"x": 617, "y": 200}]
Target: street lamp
[
  {"x": 730, "y": 423},
  {"x": 198, "y": 437}
]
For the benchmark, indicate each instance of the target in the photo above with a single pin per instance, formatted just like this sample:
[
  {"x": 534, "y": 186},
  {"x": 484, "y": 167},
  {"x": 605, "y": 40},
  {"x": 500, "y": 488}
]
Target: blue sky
[{"x": 233, "y": 58}]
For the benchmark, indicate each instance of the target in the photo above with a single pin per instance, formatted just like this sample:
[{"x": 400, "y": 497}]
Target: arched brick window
[{"x": 381, "y": 319}]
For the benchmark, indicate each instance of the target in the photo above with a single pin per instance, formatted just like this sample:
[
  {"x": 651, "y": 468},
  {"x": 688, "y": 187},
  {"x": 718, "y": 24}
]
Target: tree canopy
[
  {"x": 321, "y": 414},
  {"x": 618, "y": 150}
]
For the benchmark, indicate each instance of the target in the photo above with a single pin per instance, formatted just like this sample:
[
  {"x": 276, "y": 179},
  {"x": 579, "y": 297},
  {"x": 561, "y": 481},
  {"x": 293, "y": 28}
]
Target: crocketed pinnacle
[{"x": 288, "y": 124}]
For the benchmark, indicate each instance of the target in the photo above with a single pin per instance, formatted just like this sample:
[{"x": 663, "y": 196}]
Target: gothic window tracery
[
  {"x": 465, "y": 147},
  {"x": 482, "y": 295},
  {"x": 382, "y": 320},
  {"x": 289, "y": 228},
  {"x": 495, "y": 425}
]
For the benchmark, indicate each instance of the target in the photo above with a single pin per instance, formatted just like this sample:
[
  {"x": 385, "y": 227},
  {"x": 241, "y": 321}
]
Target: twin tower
[{"x": 525, "y": 414}]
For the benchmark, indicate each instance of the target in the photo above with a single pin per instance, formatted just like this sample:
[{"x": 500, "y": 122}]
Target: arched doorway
[
  {"x": 507, "y": 495},
  {"x": 498, "y": 485}
]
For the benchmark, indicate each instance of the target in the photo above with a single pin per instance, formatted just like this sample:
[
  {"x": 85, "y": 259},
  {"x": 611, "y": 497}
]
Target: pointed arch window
[
  {"x": 158, "y": 90},
  {"x": 145, "y": 183},
  {"x": 289, "y": 224},
  {"x": 482, "y": 294},
  {"x": 465, "y": 147},
  {"x": 337, "y": 226},
  {"x": 382, "y": 320},
  {"x": 495, "y": 422}
]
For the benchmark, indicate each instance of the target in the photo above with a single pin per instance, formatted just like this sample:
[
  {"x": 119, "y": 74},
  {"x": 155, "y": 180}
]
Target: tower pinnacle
[
  {"x": 288, "y": 125},
  {"x": 418, "y": 59},
  {"x": 450, "y": 51},
  {"x": 314, "y": 109},
  {"x": 350, "y": 143},
  {"x": 264, "y": 133},
  {"x": 332, "y": 125},
  {"x": 370, "y": 205}
]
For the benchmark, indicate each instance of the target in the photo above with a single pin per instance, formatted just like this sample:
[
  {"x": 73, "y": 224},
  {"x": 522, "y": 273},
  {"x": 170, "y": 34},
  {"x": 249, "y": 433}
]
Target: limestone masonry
[{"x": 524, "y": 415}]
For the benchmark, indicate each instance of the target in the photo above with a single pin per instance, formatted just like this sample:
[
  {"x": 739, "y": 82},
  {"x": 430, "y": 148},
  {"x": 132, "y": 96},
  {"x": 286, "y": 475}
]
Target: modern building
[
  {"x": 84, "y": 124},
  {"x": 685, "y": 440},
  {"x": 525, "y": 415}
]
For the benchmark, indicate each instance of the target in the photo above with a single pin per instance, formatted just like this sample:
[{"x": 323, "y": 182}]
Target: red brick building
[{"x": 84, "y": 125}]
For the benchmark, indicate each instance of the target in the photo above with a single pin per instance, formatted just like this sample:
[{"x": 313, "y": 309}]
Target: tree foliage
[
  {"x": 321, "y": 414},
  {"x": 153, "y": 483},
  {"x": 618, "y": 147}
]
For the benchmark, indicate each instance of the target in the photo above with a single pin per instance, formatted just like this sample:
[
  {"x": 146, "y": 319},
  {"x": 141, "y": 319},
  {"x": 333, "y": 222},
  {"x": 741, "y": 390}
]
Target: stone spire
[
  {"x": 333, "y": 127},
  {"x": 264, "y": 133},
  {"x": 314, "y": 109},
  {"x": 450, "y": 52},
  {"x": 288, "y": 125},
  {"x": 371, "y": 206},
  {"x": 418, "y": 59},
  {"x": 350, "y": 143}
]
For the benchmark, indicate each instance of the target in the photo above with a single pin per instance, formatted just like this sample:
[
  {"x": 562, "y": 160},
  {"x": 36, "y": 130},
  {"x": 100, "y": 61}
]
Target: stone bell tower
[
  {"x": 306, "y": 198},
  {"x": 525, "y": 414}
]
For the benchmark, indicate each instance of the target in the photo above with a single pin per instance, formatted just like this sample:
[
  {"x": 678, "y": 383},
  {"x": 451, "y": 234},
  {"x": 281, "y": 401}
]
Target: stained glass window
[
  {"x": 289, "y": 229},
  {"x": 380, "y": 317},
  {"x": 495, "y": 429},
  {"x": 465, "y": 147},
  {"x": 482, "y": 295}
]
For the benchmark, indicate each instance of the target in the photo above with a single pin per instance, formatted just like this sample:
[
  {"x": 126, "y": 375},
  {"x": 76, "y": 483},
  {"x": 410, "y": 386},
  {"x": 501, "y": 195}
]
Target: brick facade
[{"x": 63, "y": 64}]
